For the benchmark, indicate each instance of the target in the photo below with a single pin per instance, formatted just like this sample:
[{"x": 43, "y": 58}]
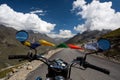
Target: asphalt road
[{"x": 89, "y": 74}]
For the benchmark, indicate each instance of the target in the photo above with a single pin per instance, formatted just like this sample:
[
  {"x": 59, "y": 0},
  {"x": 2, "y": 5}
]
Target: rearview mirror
[
  {"x": 22, "y": 36},
  {"x": 103, "y": 44}
]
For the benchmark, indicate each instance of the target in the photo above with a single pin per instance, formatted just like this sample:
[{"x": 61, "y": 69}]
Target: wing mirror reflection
[
  {"x": 22, "y": 36},
  {"x": 103, "y": 44}
]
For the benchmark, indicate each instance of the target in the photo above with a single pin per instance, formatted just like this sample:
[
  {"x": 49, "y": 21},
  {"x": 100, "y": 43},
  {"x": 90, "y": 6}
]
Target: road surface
[{"x": 89, "y": 74}]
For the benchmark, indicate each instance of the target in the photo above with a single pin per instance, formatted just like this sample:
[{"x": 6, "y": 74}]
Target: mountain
[
  {"x": 37, "y": 36},
  {"x": 114, "y": 37},
  {"x": 113, "y": 34},
  {"x": 9, "y": 45},
  {"x": 60, "y": 40},
  {"x": 87, "y": 36}
]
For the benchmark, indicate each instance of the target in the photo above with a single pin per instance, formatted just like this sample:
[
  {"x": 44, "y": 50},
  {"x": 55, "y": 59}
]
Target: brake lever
[
  {"x": 20, "y": 60},
  {"x": 81, "y": 61},
  {"x": 30, "y": 60},
  {"x": 80, "y": 67}
]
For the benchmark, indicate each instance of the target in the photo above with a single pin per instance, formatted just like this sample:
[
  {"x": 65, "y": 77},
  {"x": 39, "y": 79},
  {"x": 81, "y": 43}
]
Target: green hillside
[{"x": 113, "y": 34}]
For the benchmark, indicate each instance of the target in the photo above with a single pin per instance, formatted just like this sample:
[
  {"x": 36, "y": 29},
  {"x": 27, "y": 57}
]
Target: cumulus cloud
[
  {"x": 80, "y": 28},
  {"x": 62, "y": 34},
  {"x": 78, "y": 4},
  {"x": 39, "y": 12},
  {"x": 27, "y": 21},
  {"x": 97, "y": 15}
]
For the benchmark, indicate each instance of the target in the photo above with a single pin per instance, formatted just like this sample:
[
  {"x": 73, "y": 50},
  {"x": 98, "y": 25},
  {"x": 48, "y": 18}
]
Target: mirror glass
[
  {"x": 103, "y": 44},
  {"x": 21, "y": 35}
]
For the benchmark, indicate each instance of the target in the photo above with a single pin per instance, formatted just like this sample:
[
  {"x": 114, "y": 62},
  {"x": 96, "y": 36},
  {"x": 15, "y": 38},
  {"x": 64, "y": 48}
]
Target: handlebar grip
[
  {"x": 97, "y": 68},
  {"x": 17, "y": 57}
]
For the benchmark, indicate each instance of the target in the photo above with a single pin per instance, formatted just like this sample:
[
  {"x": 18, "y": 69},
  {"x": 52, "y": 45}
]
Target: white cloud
[
  {"x": 78, "y": 4},
  {"x": 40, "y": 12},
  {"x": 62, "y": 34},
  {"x": 97, "y": 15},
  {"x": 27, "y": 21},
  {"x": 80, "y": 28}
]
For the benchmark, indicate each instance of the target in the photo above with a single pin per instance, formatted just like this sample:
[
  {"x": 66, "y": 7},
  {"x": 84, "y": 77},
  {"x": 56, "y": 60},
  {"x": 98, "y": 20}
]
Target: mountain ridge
[
  {"x": 10, "y": 46},
  {"x": 87, "y": 36}
]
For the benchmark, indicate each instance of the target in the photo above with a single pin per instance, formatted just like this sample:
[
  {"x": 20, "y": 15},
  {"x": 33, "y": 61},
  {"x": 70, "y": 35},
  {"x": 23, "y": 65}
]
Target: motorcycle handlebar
[
  {"x": 97, "y": 68},
  {"x": 30, "y": 57},
  {"x": 33, "y": 57}
]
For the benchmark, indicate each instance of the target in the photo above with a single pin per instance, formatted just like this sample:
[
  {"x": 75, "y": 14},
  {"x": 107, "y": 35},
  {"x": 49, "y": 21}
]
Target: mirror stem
[
  {"x": 89, "y": 54},
  {"x": 35, "y": 51}
]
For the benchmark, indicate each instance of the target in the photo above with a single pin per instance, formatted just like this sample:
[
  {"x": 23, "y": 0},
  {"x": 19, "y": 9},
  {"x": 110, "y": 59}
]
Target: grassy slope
[{"x": 113, "y": 34}]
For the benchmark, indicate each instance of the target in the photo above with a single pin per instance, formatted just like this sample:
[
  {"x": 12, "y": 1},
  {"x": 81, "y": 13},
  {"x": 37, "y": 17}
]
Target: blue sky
[{"x": 57, "y": 12}]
